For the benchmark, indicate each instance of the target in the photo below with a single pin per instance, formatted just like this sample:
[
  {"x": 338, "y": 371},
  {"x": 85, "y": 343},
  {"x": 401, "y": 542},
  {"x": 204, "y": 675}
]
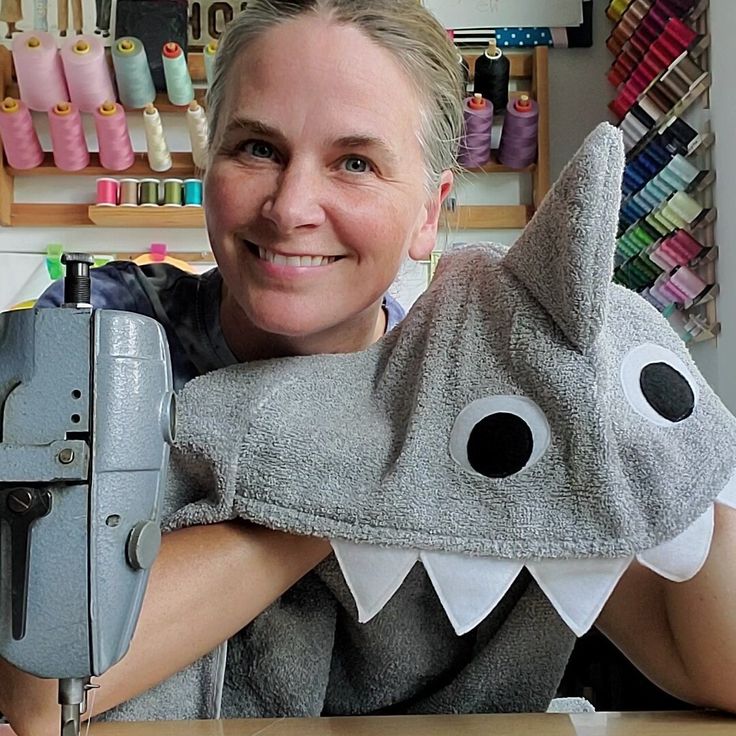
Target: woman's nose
[{"x": 297, "y": 199}]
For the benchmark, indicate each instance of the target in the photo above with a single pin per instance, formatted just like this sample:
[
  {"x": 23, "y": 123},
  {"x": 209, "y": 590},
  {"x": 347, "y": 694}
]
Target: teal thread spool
[
  {"x": 178, "y": 81},
  {"x": 148, "y": 193},
  {"x": 209, "y": 61},
  {"x": 173, "y": 189},
  {"x": 133, "y": 76},
  {"x": 192, "y": 192}
]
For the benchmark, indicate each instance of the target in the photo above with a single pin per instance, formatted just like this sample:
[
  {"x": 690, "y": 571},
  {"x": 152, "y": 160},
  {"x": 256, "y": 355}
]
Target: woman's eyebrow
[{"x": 369, "y": 141}]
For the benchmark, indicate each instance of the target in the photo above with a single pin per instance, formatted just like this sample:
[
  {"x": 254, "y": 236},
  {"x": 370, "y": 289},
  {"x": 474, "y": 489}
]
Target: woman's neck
[{"x": 248, "y": 342}]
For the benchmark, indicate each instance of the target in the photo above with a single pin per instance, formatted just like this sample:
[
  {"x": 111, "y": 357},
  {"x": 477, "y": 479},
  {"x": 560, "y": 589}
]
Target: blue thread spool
[
  {"x": 133, "y": 75},
  {"x": 209, "y": 61},
  {"x": 178, "y": 81},
  {"x": 192, "y": 192}
]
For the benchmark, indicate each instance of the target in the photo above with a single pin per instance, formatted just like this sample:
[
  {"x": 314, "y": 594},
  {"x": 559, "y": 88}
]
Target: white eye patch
[{"x": 658, "y": 385}]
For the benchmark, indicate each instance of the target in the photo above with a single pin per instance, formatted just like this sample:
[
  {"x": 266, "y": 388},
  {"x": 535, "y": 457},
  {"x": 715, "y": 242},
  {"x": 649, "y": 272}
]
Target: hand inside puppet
[{"x": 526, "y": 413}]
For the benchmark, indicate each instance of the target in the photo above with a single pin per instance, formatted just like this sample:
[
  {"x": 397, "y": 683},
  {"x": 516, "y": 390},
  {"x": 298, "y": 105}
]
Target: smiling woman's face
[{"x": 316, "y": 190}]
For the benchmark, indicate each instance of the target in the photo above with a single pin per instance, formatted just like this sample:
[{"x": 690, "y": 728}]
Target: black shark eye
[
  {"x": 499, "y": 436},
  {"x": 658, "y": 385},
  {"x": 667, "y": 391}
]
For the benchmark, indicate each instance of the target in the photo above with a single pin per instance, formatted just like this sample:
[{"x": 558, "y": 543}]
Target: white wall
[{"x": 717, "y": 358}]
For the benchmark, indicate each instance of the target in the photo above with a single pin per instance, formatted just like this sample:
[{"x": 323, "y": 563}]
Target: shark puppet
[{"x": 486, "y": 473}]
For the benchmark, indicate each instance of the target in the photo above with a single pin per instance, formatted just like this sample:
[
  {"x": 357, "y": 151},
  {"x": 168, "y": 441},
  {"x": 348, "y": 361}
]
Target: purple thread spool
[
  {"x": 475, "y": 145},
  {"x": 518, "y": 147}
]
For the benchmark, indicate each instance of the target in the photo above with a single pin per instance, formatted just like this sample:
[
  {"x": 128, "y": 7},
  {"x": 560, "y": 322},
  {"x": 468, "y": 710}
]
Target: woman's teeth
[{"x": 303, "y": 261}]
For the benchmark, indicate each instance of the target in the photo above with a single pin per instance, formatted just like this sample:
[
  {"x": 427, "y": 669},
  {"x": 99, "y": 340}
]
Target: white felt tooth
[
  {"x": 680, "y": 558},
  {"x": 469, "y": 588},
  {"x": 728, "y": 495},
  {"x": 373, "y": 574},
  {"x": 578, "y": 589}
]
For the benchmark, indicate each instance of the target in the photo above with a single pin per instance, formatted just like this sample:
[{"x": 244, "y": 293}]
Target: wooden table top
[{"x": 687, "y": 723}]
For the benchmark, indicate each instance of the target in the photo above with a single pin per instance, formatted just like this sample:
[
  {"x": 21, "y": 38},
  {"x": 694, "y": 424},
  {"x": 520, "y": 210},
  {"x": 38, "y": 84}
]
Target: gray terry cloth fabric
[{"x": 526, "y": 413}]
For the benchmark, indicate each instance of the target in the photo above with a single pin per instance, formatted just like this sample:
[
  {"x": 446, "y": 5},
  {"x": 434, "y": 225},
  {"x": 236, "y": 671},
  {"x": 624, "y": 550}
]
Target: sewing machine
[{"x": 87, "y": 411}]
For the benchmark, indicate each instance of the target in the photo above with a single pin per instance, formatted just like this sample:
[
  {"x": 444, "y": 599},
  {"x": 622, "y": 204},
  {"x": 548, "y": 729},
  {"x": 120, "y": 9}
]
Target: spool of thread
[
  {"x": 128, "y": 193},
  {"x": 67, "y": 137},
  {"x": 209, "y": 61},
  {"x": 475, "y": 144},
  {"x": 87, "y": 73},
  {"x": 116, "y": 150},
  {"x": 518, "y": 146},
  {"x": 173, "y": 192},
  {"x": 107, "y": 192},
  {"x": 159, "y": 158},
  {"x": 20, "y": 141},
  {"x": 461, "y": 61},
  {"x": 192, "y": 192},
  {"x": 492, "y": 71},
  {"x": 39, "y": 70},
  {"x": 132, "y": 73},
  {"x": 148, "y": 193},
  {"x": 198, "y": 132},
  {"x": 178, "y": 81}
]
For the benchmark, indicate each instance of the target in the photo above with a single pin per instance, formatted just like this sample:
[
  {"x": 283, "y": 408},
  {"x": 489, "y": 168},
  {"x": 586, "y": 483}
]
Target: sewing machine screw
[
  {"x": 65, "y": 456},
  {"x": 20, "y": 500}
]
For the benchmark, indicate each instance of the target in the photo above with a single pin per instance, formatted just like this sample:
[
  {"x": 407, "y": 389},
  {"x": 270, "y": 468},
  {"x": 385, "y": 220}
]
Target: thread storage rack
[{"x": 528, "y": 72}]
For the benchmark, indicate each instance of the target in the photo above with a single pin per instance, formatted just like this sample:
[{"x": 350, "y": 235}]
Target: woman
[{"x": 334, "y": 128}]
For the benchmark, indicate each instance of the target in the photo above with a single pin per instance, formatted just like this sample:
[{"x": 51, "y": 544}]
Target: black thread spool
[{"x": 492, "y": 72}]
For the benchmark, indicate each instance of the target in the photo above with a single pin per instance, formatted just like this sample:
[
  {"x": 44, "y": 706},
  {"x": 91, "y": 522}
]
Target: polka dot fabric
[{"x": 516, "y": 37}]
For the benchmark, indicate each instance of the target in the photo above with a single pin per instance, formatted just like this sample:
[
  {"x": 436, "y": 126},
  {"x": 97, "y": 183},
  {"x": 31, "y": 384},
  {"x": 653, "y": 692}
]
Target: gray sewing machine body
[{"x": 86, "y": 404}]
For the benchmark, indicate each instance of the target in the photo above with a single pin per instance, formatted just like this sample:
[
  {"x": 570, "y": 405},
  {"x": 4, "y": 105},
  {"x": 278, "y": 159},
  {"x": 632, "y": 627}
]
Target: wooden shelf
[
  {"x": 182, "y": 167},
  {"x": 161, "y": 216},
  {"x": 529, "y": 65}
]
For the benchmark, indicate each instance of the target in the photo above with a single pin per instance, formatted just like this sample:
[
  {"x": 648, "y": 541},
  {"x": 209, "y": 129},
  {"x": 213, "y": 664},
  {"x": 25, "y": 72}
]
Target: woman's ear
[{"x": 426, "y": 239}]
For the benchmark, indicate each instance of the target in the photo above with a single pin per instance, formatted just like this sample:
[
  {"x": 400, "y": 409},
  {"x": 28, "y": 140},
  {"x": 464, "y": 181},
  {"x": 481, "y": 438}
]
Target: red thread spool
[{"x": 107, "y": 192}]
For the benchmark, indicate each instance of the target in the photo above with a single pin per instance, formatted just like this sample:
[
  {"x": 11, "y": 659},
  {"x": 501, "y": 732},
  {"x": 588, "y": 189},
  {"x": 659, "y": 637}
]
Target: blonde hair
[{"x": 405, "y": 28}]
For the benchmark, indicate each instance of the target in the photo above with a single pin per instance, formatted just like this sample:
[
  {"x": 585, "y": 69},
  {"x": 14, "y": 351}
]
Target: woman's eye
[
  {"x": 356, "y": 165},
  {"x": 257, "y": 149}
]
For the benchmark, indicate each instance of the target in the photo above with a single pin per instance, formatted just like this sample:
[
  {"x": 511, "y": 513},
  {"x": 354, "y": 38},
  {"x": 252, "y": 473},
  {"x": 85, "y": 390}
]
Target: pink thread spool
[
  {"x": 116, "y": 150},
  {"x": 87, "y": 73},
  {"x": 518, "y": 146},
  {"x": 107, "y": 192},
  {"x": 22, "y": 147},
  {"x": 39, "y": 70},
  {"x": 67, "y": 137},
  {"x": 688, "y": 282},
  {"x": 475, "y": 145}
]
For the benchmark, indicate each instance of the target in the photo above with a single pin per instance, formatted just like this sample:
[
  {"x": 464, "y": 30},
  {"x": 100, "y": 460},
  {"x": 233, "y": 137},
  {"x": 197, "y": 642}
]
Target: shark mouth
[{"x": 469, "y": 588}]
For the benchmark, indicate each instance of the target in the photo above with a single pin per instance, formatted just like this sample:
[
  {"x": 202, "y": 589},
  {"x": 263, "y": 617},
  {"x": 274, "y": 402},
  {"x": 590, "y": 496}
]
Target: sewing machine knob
[
  {"x": 77, "y": 284},
  {"x": 143, "y": 544}
]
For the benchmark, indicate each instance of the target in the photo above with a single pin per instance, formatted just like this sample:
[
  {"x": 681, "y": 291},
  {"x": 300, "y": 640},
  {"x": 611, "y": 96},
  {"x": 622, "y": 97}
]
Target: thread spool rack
[
  {"x": 699, "y": 313},
  {"x": 529, "y": 73}
]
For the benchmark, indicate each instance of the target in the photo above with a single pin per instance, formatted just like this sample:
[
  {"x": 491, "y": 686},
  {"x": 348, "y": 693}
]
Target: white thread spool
[
  {"x": 159, "y": 158},
  {"x": 198, "y": 131}
]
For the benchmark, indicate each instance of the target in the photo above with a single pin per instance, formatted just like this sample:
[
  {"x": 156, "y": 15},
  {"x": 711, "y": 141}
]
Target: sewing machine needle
[{"x": 70, "y": 720}]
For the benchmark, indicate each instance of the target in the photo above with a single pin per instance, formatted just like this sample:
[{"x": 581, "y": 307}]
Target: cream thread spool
[
  {"x": 159, "y": 158},
  {"x": 198, "y": 133}
]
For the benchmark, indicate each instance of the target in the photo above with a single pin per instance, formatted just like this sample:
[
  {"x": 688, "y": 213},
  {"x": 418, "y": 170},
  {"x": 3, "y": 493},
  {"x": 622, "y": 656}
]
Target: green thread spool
[
  {"x": 192, "y": 192},
  {"x": 178, "y": 82},
  {"x": 132, "y": 73},
  {"x": 209, "y": 61},
  {"x": 149, "y": 193},
  {"x": 129, "y": 192},
  {"x": 173, "y": 191}
]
